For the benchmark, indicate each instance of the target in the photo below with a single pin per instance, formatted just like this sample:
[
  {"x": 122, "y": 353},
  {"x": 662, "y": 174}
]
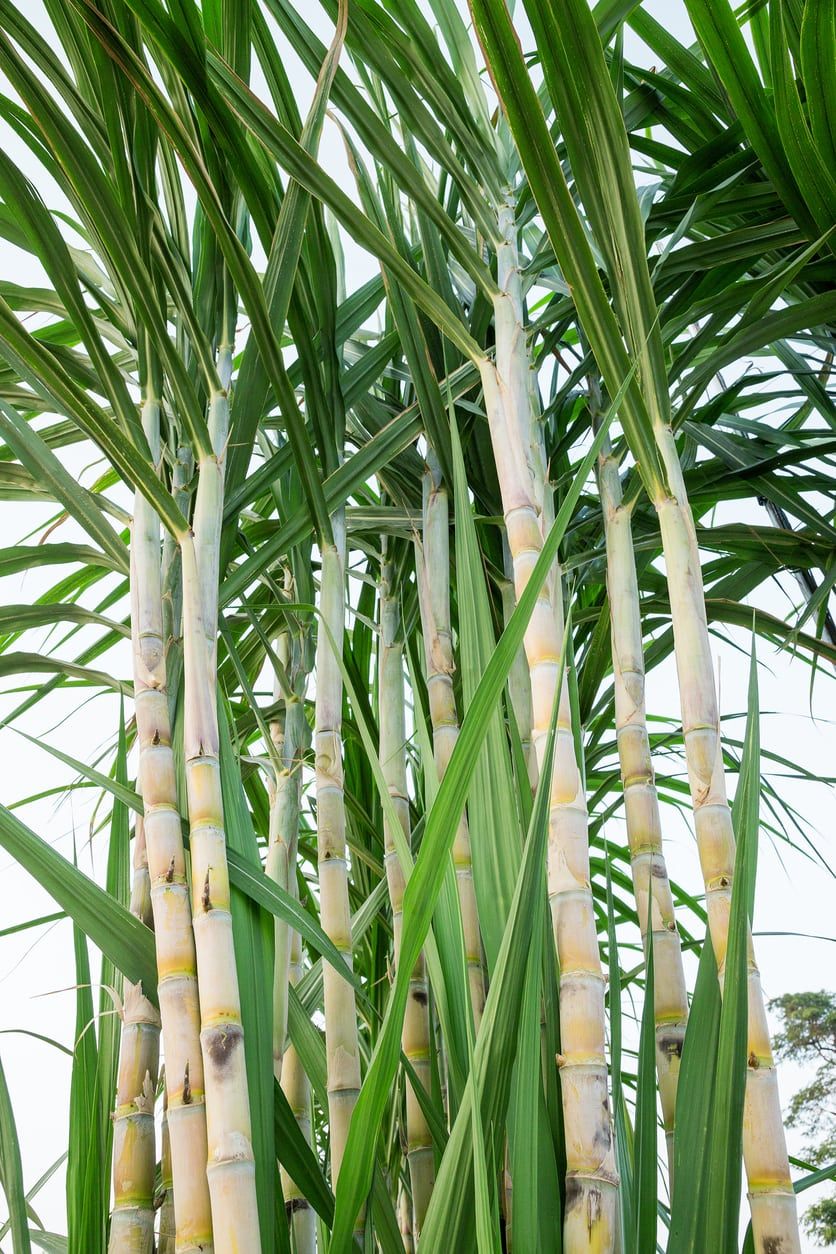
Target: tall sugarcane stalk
[
  {"x": 134, "y": 1144},
  {"x": 341, "y": 1040},
  {"x": 230, "y": 1163},
  {"x": 602, "y": 165},
  {"x": 771, "y": 1195},
  {"x": 176, "y": 966},
  {"x": 590, "y": 1214},
  {"x": 289, "y": 734},
  {"x": 641, "y": 802},
  {"x": 415, "y": 1038},
  {"x": 433, "y": 562}
]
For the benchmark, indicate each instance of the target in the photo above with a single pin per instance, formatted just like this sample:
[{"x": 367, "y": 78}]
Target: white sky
[{"x": 795, "y": 896}]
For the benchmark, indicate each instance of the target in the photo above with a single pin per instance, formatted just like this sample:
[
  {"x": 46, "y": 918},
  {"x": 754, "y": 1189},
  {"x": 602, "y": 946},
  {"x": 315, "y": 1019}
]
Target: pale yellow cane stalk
[
  {"x": 405, "y": 1221},
  {"x": 590, "y": 1216},
  {"x": 141, "y": 880},
  {"x": 433, "y": 564},
  {"x": 771, "y": 1196},
  {"x": 341, "y": 1043},
  {"x": 288, "y": 734},
  {"x": 134, "y": 1143},
  {"x": 415, "y": 1037},
  {"x": 177, "y": 986},
  {"x": 230, "y": 1163},
  {"x": 641, "y": 803}
]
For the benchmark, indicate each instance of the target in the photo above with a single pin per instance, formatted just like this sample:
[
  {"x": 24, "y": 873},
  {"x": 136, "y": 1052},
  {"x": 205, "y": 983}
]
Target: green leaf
[
  {"x": 117, "y": 886},
  {"x": 486, "y": 1095},
  {"x": 127, "y": 942},
  {"x": 11, "y": 1172},
  {"x": 427, "y": 878},
  {"x": 723, "y": 1165},
  {"x": 80, "y": 504},
  {"x": 88, "y": 1188}
]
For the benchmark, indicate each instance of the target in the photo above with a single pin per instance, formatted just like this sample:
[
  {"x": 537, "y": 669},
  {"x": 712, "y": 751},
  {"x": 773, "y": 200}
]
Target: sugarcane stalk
[
  {"x": 590, "y": 1214},
  {"x": 641, "y": 802},
  {"x": 134, "y": 1143},
  {"x": 176, "y": 967},
  {"x": 771, "y": 1195},
  {"x": 297, "y": 1089},
  {"x": 284, "y": 793},
  {"x": 289, "y": 734},
  {"x": 140, "y": 904},
  {"x": 433, "y": 562},
  {"x": 519, "y": 682},
  {"x": 341, "y": 1040},
  {"x": 230, "y": 1162},
  {"x": 165, "y": 1243},
  {"x": 405, "y": 1219},
  {"x": 415, "y": 1038}
]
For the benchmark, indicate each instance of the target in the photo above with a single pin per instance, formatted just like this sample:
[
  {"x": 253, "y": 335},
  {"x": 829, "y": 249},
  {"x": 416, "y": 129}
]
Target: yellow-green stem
[
  {"x": 433, "y": 563},
  {"x": 644, "y": 823},
  {"x": 288, "y": 734},
  {"x": 341, "y": 1041},
  {"x": 771, "y": 1195},
  {"x": 415, "y": 1038},
  {"x": 590, "y": 1215}
]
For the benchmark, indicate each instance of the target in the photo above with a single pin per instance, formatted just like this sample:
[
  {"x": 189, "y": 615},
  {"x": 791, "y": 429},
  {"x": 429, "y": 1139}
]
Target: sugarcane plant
[{"x": 381, "y": 474}]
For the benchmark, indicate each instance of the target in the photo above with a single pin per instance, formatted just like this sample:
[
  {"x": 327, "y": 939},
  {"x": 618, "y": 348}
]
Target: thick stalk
[
  {"x": 341, "y": 1043},
  {"x": 434, "y": 590},
  {"x": 177, "y": 985},
  {"x": 592, "y": 1181},
  {"x": 771, "y": 1196},
  {"x": 289, "y": 734},
  {"x": 230, "y": 1163},
  {"x": 641, "y": 803},
  {"x": 415, "y": 1039},
  {"x": 134, "y": 1150}
]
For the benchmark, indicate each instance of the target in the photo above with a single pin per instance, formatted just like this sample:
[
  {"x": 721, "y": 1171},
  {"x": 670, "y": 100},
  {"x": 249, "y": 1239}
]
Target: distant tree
[{"x": 809, "y": 1035}]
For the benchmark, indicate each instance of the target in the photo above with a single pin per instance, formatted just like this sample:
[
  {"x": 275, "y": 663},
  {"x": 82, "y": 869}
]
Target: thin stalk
[
  {"x": 405, "y": 1220},
  {"x": 297, "y": 1089},
  {"x": 641, "y": 803},
  {"x": 230, "y": 1162},
  {"x": 289, "y": 733},
  {"x": 434, "y": 588},
  {"x": 176, "y": 967},
  {"x": 140, "y": 905},
  {"x": 592, "y": 1181},
  {"x": 165, "y": 1244},
  {"x": 771, "y": 1195},
  {"x": 519, "y": 681},
  {"x": 415, "y": 1039},
  {"x": 341, "y": 1040}
]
